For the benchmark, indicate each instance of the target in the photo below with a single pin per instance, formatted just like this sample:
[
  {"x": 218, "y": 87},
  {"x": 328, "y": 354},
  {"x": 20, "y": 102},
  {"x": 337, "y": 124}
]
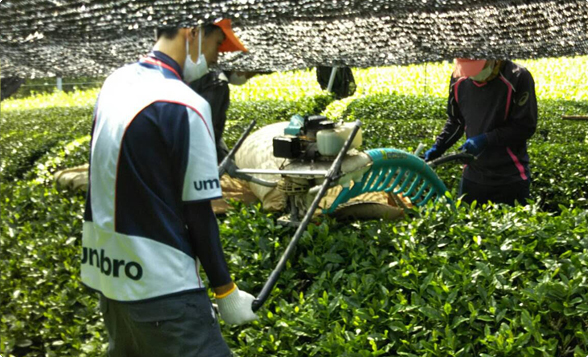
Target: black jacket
[
  {"x": 505, "y": 109},
  {"x": 214, "y": 87}
]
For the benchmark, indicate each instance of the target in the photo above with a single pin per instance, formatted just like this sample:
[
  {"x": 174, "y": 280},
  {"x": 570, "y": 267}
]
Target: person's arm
[
  {"x": 455, "y": 124},
  {"x": 235, "y": 306},
  {"x": 453, "y": 129},
  {"x": 195, "y": 162},
  {"x": 204, "y": 236},
  {"x": 521, "y": 122}
]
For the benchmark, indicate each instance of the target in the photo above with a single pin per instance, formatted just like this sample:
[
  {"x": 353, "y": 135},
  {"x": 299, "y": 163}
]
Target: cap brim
[
  {"x": 465, "y": 67},
  {"x": 231, "y": 42}
]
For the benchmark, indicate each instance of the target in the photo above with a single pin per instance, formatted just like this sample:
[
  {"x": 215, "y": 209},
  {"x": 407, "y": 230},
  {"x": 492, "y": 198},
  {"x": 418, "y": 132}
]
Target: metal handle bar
[
  {"x": 222, "y": 168},
  {"x": 282, "y": 172},
  {"x": 462, "y": 157},
  {"x": 332, "y": 172}
]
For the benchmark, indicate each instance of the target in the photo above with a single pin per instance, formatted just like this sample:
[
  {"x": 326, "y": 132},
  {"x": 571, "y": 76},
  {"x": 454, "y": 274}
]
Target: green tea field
[{"x": 481, "y": 280}]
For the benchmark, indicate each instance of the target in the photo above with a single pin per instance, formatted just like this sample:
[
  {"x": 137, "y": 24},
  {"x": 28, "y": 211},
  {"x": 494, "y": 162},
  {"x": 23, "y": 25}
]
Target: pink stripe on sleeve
[
  {"x": 517, "y": 163},
  {"x": 457, "y": 85}
]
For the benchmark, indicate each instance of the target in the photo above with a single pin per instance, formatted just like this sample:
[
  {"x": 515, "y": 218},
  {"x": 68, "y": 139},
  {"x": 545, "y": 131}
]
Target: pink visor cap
[{"x": 465, "y": 67}]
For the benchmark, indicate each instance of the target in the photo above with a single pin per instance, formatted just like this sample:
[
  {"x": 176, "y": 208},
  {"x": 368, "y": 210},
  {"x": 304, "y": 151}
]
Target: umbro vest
[{"x": 127, "y": 267}]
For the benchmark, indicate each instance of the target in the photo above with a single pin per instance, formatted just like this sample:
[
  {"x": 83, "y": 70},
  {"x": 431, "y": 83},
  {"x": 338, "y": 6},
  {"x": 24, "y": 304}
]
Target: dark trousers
[
  {"x": 509, "y": 193},
  {"x": 182, "y": 325}
]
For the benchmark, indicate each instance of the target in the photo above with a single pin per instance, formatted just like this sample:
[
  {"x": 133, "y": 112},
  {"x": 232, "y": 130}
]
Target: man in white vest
[{"x": 148, "y": 223}]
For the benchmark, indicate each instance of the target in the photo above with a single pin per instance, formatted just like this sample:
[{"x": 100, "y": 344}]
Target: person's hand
[
  {"x": 234, "y": 306},
  {"x": 432, "y": 153},
  {"x": 475, "y": 145}
]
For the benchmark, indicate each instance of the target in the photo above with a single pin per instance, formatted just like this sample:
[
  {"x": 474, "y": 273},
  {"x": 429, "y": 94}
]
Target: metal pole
[
  {"x": 222, "y": 168},
  {"x": 425, "y": 92},
  {"x": 282, "y": 172},
  {"x": 462, "y": 156},
  {"x": 332, "y": 78},
  {"x": 335, "y": 167},
  {"x": 59, "y": 84},
  {"x": 575, "y": 117}
]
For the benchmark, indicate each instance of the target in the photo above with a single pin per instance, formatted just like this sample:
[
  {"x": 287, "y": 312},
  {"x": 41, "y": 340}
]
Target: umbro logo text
[
  {"x": 108, "y": 267},
  {"x": 206, "y": 184}
]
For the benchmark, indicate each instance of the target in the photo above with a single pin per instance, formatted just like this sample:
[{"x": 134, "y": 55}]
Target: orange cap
[
  {"x": 231, "y": 42},
  {"x": 465, "y": 67}
]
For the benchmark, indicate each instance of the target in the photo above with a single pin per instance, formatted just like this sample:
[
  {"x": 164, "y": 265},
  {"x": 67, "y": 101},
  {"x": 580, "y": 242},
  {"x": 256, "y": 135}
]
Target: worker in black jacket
[
  {"x": 214, "y": 87},
  {"x": 494, "y": 102}
]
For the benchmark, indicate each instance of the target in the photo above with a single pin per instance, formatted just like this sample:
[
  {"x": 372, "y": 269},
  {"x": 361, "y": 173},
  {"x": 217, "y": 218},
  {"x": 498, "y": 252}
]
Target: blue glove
[
  {"x": 475, "y": 145},
  {"x": 433, "y": 153}
]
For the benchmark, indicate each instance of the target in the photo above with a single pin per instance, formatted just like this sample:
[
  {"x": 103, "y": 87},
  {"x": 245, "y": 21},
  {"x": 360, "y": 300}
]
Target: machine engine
[{"x": 314, "y": 137}]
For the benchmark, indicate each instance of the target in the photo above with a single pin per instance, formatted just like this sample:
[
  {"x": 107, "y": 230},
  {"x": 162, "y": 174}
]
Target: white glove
[{"x": 235, "y": 308}]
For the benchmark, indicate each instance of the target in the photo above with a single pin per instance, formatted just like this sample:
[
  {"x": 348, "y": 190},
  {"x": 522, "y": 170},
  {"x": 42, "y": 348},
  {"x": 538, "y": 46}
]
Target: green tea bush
[
  {"x": 45, "y": 310},
  {"x": 493, "y": 281},
  {"x": 30, "y": 133},
  {"x": 560, "y": 175},
  {"x": 41, "y": 86},
  {"x": 388, "y": 107},
  {"x": 561, "y": 78}
]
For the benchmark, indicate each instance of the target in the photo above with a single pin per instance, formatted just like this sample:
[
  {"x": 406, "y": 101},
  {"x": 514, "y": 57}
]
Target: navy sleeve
[
  {"x": 204, "y": 236},
  {"x": 454, "y": 126},
  {"x": 522, "y": 117}
]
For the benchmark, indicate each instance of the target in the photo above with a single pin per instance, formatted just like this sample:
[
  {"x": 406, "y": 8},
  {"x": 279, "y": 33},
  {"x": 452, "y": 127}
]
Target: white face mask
[
  {"x": 484, "y": 73},
  {"x": 237, "y": 79},
  {"x": 193, "y": 71}
]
